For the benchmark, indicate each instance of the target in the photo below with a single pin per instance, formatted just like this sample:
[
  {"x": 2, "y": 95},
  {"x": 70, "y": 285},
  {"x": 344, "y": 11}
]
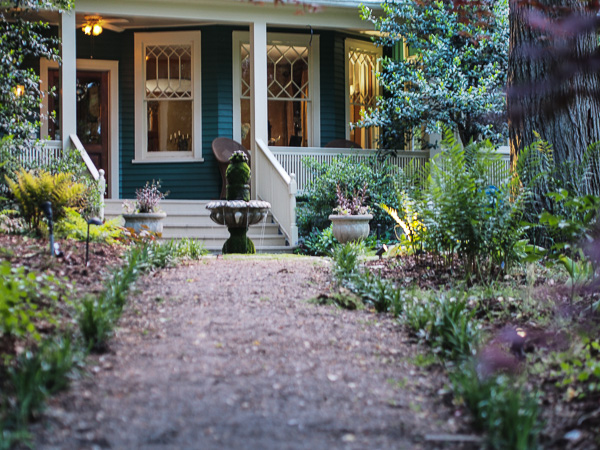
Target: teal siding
[
  {"x": 333, "y": 76},
  {"x": 182, "y": 180}
]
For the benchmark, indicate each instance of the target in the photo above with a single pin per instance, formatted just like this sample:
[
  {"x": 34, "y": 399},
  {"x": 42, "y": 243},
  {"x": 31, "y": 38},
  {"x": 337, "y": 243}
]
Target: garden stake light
[
  {"x": 91, "y": 221},
  {"x": 47, "y": 209}
]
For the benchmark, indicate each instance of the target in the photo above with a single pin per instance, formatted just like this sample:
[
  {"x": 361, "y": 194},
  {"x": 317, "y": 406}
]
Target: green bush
[
  {"x": 318, "y": 243},
  {"x": 320, "y": 197},
  {"x": 346, "y": 259},
  {"x": 460, "y": 214},
  {"x": 501, "y": 407},
  {"x": 20, "y": 296},
  {"x": 74, "y": 226},
  {"x": 32, "y": 190}
]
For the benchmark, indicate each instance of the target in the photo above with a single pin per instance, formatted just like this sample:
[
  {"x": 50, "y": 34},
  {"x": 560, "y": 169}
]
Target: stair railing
[
  {"x": 276, "y": 186},
  {"x": 96, "y": 174}
]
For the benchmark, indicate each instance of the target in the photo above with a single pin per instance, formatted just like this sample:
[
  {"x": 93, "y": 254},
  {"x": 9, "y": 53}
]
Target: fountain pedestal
[{"x": 238, "y": 212}]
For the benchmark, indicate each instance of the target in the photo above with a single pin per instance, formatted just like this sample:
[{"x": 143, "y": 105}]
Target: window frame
[
  {"x": 141, "y": 40},
  {"x": 314, "y": 104},
  {"x": 368, "y": 47}
]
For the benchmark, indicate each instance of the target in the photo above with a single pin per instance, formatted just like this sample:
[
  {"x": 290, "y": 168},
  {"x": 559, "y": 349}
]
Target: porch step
[{"x": 191, "y": 219}]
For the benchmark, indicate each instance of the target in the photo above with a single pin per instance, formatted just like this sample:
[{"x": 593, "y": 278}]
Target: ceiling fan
[{"x": 93, "y": 25}]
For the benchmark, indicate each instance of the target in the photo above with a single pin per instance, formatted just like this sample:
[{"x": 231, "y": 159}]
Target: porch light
[
  {"x": 92, "y": 28},
  {"x": 19, "y": 90}
]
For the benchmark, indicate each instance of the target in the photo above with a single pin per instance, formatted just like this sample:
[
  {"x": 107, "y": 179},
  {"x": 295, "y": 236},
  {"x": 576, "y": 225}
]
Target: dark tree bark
[{"x": 553, "y": 77}]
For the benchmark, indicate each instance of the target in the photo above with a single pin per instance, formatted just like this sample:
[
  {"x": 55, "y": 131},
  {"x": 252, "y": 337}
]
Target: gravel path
[{"x": 229, "y": 354}]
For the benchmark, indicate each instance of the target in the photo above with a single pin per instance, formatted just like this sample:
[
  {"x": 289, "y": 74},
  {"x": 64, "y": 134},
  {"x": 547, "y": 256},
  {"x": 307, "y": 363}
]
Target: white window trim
[
  {"x": 142, "y": 155},
  {"x": 98, "y": 65},
  {"x": 314, "y": 82},
  {"x": 360, "y": 45}
]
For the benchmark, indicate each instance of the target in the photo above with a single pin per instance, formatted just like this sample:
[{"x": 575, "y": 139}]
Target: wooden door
[{"x": 92, "y": 116}]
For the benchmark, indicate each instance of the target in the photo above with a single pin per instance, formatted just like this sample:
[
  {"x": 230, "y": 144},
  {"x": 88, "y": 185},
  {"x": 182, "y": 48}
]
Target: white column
[
  {"x": 258, "y": 93},
  {"x": 68, "y": 77}
]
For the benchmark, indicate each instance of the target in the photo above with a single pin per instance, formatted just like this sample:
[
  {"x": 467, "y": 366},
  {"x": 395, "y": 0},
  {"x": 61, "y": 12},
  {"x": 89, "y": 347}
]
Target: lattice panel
[
  {"x": 287, "y": 72},
  {"x": 362, "y": 80},
  {"x": 168, "y": 71}
]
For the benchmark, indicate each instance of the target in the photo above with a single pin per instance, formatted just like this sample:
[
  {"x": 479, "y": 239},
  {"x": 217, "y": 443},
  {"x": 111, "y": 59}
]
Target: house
[{"x": 145, "y": 87}]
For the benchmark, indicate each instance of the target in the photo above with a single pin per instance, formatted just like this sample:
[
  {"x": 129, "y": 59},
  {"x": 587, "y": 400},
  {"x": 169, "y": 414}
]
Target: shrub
[
  {"x": 31, "y": 191},
  {"x": 345, "y": 261},
  {"x": 353, "y": 174},
  {"x": 456, "y": 212},
  {"x": 95, "y": 319},
  {"x": 74, "y": 226},
  {"x": 147, "y": 198},
  {"x": 318, "y": 243}
]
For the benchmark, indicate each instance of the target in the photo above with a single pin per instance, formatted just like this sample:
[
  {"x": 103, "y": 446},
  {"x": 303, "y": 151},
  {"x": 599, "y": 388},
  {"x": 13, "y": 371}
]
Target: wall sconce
[{"x": 18, "y": 90}]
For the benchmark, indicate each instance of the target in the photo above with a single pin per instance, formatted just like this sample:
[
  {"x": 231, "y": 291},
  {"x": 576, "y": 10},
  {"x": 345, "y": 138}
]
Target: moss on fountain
[
  {"x": 238, "y": 177},
  {"x": 238, "y": 188}
]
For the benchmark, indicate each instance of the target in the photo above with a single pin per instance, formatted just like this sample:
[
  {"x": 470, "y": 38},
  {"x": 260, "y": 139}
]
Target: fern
[{"x": 32, "y": 190}]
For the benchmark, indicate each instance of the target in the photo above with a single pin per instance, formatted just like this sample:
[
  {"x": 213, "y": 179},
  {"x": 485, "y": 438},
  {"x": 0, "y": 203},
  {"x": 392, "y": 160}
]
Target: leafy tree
[
  {"x": 458, "y": 72},
  {"x": 21, "y": 39}
]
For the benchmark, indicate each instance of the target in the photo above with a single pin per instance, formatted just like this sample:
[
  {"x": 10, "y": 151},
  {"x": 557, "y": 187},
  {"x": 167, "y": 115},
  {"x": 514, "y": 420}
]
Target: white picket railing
[
  {"x": 277, "y": 186},
  {"x": 291, "y": 159}
]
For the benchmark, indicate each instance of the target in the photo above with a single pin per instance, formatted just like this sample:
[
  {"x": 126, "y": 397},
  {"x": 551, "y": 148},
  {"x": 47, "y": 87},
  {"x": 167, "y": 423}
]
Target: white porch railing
[
  {"x": 290, "y": 159},
  {"x": 278, "y": 187}
]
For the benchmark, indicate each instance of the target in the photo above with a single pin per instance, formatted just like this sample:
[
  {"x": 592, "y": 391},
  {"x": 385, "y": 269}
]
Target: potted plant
[
  {"x": 145, "y": 213},
  {"x": 351, "y": 217}
]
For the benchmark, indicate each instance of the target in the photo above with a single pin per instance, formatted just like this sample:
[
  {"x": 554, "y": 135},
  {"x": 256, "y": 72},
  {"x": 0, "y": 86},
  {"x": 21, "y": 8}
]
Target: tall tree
[
  {"x": 456, "y": 76},
  {"x": 554, "y": 76}
]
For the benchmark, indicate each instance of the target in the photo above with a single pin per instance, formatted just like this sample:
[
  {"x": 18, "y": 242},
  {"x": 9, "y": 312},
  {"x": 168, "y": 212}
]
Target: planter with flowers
[
  {"x": 351, "y": 221},
  {"x": 145, "y": 214}
]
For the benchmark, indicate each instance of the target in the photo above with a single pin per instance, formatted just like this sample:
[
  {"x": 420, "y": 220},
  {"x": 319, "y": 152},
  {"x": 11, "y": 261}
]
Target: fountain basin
[{"x": 238, "y": 213}]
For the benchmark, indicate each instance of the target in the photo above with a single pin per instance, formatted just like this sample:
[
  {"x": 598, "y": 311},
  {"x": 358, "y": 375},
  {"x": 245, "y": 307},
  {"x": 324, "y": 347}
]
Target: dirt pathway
[{"x": 228, "y": 354}]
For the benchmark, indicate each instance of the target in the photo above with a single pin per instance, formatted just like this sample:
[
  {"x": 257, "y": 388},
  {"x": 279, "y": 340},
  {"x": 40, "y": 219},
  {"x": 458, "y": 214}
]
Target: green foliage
[
  {"x": 346, "y": 259},
  {"x": 353, "y": 174},
  {"x": 501, "y": 407},
  {"x": 443, "y": 320},
  {"x": 563, "y": 198},
  {"x": 23, "y": 40},
  {"x": 376, "y": 291},
  {"x": 318, "y": 243},
  {"x": 96, "y": 319},
  {"x": 39, "y": 374},
  {"x": 186, "y": 249},
  {"x": 238, "y": 177},
  {"x": 20, "y": 297},
  {"x": 74, "y": 226},
  {"x": 456, "y": 211},
  {"x": 32, "y": 190},
  {"x": 579, "y": 368},
  {"x": 457, "y": 75}
]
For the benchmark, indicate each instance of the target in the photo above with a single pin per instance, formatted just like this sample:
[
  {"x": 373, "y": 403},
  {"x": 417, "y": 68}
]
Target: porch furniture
[
  {"x": 342, "y": 143},
  {"x": 223, "y": 148}
]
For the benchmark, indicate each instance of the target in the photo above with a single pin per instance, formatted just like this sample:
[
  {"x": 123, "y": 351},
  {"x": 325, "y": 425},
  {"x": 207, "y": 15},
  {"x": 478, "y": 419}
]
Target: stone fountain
[{"x": 238, "y": 212}]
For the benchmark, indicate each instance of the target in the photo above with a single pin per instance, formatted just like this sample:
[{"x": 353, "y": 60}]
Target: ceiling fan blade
[
  {"x": 116, "y": 20},
  {"x": 112, "y": 27}
]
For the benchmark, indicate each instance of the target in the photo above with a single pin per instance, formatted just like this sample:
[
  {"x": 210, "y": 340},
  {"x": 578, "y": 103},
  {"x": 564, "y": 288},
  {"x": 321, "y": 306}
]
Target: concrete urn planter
[
  {"x": 347, "y": 228},
  {"x": 154, "y": 221}
]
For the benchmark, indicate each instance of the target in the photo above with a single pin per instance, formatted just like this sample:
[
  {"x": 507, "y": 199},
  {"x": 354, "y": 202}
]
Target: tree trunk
[{"x": 552, "y": 89}]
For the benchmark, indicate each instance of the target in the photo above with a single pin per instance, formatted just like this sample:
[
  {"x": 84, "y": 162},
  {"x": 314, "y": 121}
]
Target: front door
[{"x": 92, "y": 116}]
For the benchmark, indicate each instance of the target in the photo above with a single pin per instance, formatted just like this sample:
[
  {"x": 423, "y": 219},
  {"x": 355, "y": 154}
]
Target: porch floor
[{"x": 191, "y": 219}]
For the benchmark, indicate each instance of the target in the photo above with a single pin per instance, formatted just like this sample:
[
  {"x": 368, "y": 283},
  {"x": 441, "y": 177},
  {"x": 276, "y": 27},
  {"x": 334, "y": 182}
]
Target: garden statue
[{"x": 238, "y": 212}]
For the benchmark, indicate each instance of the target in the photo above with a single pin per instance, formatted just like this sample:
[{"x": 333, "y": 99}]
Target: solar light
[
  {"x": 47, "y": 210},
  {"x": 90, "y": 221}
]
